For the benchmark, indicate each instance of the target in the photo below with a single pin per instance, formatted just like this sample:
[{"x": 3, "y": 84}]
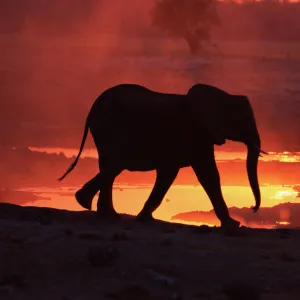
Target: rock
[
  {"x": 17, "y": 239},
  {"x": 133, "y": 292},
  {"x": 13, "y": 279},
  {"x": 265, "y": 256},
  {"x": 287, "y": 257},
  {"x": 167, "y": 242},
  {"x": 120, "y": 236},
  {"x": 202, "y": 295},
  {"x": 68, "y": 232},
  {"x": 176, "y": 296},
  {"x": 6, "y": 290},
  {"x": 102, "y": 257},
  {"x": 238, "y": 232},
  {"x": 203, "y": 229},
  {"x": 89, "y": 236},
  {"x": 167, "y": 281},
  {"x": 169, "y": 230},
  {"x": 241, "y": 290},
  {"x": 45, "y": 218},
  {"x": 285, "y": 234},
  {"x": 128, "y": 227}
]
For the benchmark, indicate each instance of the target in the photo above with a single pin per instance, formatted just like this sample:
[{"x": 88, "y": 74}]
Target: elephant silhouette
[{"x": 137, "y": 129}]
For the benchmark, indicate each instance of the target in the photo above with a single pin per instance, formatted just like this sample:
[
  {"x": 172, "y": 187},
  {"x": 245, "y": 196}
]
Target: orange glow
[
  {"x": 286, "y": 156},
  {"x": 130, "y": 200},
  {"x": 283, "y": 193},
  {"x": 283, "y": 223},
  {"x": 284, "y": 216},
  {"x": 193, "y": 223},
  {"x": 186, "y": 195}
]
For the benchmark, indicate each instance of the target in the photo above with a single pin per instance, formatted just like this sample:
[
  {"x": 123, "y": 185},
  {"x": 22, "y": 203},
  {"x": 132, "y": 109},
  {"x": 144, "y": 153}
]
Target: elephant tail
[{"x": 73, "y": 165}]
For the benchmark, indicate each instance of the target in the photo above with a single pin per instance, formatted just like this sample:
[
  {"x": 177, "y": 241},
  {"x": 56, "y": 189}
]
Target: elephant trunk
[{"x": 252, "y": 162}]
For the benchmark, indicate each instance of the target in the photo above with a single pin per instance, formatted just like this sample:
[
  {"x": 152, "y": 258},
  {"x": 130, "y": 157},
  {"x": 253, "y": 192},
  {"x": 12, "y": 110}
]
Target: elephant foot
[
  {"x": 107, "y": 214},
  {"x": 84, "y": 199},
  {"x": 144, "y": 217},
  {"x": 230, "y": 224}
]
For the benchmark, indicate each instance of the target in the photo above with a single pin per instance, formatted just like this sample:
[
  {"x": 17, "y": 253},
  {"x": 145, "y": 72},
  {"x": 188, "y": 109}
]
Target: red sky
[{"x": 49, "y": 82}]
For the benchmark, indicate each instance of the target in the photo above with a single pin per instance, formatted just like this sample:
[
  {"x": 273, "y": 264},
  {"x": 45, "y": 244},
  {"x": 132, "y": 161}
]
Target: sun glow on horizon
[
  {"x": 285, "y": 193},
  {"x": 283, "y": 223},
  {"x": 179, "y": 199}
]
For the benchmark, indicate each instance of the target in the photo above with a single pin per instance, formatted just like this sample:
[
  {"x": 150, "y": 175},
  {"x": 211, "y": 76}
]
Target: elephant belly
[
  {"x": 146, "y": 155},
  {"x": 143, "y": 137},
  {"x": 150, "y": 163},
  {"x": 144, "y": 152}
]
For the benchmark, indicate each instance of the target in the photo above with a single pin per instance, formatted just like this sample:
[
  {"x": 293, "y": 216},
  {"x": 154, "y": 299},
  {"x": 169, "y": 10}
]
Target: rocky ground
[{"x": 53, "y": 254}]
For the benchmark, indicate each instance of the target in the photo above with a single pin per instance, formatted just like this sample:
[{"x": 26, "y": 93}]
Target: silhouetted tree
[{"x": 188, "y": 19}]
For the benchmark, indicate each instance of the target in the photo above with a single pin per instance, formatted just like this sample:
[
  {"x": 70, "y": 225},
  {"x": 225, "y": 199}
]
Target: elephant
[{"x": 138, "y": 129}]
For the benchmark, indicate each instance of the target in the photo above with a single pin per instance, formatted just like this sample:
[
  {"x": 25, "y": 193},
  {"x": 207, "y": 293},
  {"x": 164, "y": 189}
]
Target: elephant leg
[
  {"x": 105, "y": 203},
  {"x": 208, "y": 175},
  {"x": 164, "y": 179},
  {"x": 85, "y": 195}
]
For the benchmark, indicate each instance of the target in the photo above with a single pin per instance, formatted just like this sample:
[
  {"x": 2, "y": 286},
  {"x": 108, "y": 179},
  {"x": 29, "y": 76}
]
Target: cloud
[
  {"x": 19, "y": 197},
  {"x": 22, "y": 167}
]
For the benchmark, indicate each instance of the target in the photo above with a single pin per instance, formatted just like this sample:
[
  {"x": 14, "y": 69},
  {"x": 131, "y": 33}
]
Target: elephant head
[{"x": 226, "y": 116}]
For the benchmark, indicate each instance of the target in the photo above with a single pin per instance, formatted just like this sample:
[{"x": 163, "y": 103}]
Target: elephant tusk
[
  {"x": 260, "y": 150},
  {"x": 264, "y": 152}
]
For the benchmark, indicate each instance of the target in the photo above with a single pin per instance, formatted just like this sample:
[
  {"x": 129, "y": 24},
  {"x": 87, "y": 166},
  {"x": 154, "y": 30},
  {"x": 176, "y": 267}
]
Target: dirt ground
[{"x": 55, "y": 254}]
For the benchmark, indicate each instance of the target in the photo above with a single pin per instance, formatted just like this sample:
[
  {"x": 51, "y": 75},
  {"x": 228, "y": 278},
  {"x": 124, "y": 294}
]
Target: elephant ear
[{"x": 207, "y": 103}]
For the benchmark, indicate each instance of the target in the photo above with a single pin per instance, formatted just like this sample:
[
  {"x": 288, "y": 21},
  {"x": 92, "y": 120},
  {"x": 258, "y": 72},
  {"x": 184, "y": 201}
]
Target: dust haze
[{"x": 58, "y": 56}]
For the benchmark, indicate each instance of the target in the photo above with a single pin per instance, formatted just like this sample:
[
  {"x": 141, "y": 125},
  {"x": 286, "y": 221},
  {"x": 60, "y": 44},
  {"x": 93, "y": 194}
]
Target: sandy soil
[{"x": 54, "y": 254}]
